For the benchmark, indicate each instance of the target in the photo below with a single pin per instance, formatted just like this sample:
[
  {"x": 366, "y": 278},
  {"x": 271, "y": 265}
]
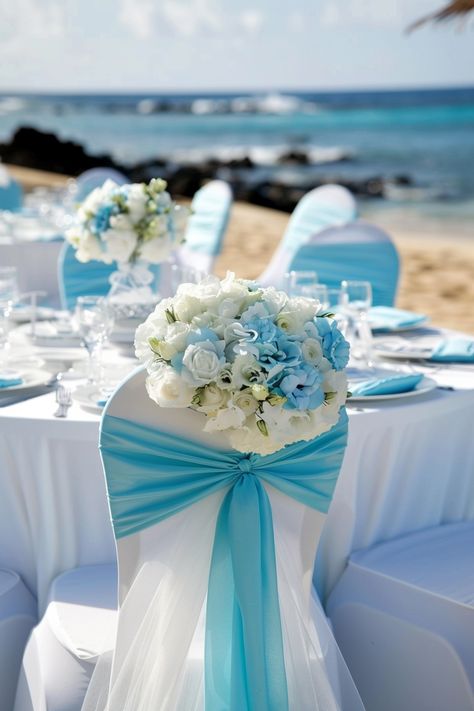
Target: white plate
[
  {"x": 424, "y": 386},
  {"x": 410, "y": 347},
  {"x": 31, "y": 379},
  {"x": 87, "y": 396},
  {"x": 24, "y": 314}
]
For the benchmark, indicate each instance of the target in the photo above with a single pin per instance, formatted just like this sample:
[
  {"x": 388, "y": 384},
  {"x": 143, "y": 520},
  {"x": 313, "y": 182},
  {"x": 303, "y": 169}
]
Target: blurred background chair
[
  {"x": 358, "y": 251},
  {"x": 17, "y": 618},
  {"x": 322, "y": 207},
  {"x": 81, "y": 278},
  {"x": 11, "y": 192},
  {"x": 211, "y": 206},
  {"x": 94, "y": 178},
  {"x": 77, "y": 627},
  {"x": 403, "y": 616}
]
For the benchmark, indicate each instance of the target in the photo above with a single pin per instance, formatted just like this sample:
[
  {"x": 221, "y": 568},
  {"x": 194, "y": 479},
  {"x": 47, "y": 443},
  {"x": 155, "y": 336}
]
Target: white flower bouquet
[
  {"x": 266, "y": 369},
  {"x": 127, "y": 223}
]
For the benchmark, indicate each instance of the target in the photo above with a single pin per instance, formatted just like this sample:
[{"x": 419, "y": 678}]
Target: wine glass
[
  {"x": 9, "y": 294},
  {"x": 299, "y": 280},
  {"x": 95, "y": 321},
  {"x": 184, "y": 274},
  {"x": 319, "y": 292},
  {"x": 357, "y": 300}
]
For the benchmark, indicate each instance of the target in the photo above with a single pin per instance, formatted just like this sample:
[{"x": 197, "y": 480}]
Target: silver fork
[{"x": 64, "y": 400}]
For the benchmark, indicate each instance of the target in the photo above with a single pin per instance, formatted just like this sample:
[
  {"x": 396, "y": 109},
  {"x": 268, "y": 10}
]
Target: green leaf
[
  {"x": 262, "y": 427},
  {"x": 155, "y": 345},
  {"x": 328, "y": 397},
  {"x": 326, "y": 314},
  {"x": 348, "y": 395},
  {"x": 170, "y": 317}
]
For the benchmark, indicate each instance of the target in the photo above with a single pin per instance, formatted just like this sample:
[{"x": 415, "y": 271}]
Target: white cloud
[
  {"x": 190, "y": 17},
  {"x": 138, "y": 17},
  {"x": 28, "y": 20},
  {"x": 370, "y": 13},
  {"x": 251, "y": 21},
  {"x": 296, "y": 21}
]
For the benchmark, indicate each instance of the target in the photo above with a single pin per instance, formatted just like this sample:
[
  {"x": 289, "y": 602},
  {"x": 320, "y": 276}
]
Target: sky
[{"x": 205, "y": 45}]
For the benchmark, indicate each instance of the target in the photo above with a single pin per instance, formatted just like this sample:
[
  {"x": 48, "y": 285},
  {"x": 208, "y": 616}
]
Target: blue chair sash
[
  {"x": 310, "y": 217},
  {"x": 208, "y": 223},
  {"x": 85, "y": 278},
  {"x": 376, "y": 262},
  {"x": 152, "y": 475},
  {"x": 11, "y": 196}
]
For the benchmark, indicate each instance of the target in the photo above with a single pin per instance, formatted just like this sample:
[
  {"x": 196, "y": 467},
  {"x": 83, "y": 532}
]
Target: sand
[{"x": 437, "y": 258}]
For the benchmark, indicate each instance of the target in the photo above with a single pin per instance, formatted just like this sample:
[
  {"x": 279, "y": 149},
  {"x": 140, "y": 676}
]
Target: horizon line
[{"x": 245, "y": 91}]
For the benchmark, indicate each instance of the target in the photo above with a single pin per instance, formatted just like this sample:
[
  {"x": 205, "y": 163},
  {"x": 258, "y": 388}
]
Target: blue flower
[
  {"x": 101, "y": 221},
  {"x": 335, "y": 347},
  {"x": 301, "y": 387},
  {"x": 283, "y": 352}
]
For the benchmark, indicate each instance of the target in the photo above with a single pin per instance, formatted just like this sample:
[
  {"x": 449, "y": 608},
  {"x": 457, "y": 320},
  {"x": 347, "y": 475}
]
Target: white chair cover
[
  {"x": 403, "y": 614},
  {"x": 206, "y": 228},
  {"x": 78, "y": 626},
  {"x": 17, "y": 617},
  {"x": 94, "y": 178},
  {"x": 163, "y": 578},
  {"x": 322, "y": 207}
]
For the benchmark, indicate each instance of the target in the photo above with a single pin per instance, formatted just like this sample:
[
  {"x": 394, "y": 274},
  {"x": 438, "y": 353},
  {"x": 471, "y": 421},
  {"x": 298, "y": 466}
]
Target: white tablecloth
[{"x": 409, "y": 464}]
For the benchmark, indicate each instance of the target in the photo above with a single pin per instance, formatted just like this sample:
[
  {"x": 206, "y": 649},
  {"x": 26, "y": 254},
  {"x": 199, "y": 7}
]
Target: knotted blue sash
[{"x": 152, "y": 475}]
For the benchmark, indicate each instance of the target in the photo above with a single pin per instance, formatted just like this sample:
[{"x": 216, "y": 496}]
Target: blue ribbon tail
[{"x": 245, "y": 666}]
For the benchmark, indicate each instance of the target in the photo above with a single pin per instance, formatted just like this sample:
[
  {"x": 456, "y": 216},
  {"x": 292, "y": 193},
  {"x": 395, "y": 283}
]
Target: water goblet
[
  {"x": 94, "y": 319},
  {"x": 356, "y": 301},
  {"x": 9, "y": 294},
  {"x": 319, "y": 292},
  {"x": 298, "y": 280},
  {"x": 184, "y": 274}
]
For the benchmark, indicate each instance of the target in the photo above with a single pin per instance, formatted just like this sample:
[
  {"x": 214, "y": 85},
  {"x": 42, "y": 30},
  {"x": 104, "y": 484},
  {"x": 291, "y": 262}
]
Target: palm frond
[{"x": 457, "y": 8}]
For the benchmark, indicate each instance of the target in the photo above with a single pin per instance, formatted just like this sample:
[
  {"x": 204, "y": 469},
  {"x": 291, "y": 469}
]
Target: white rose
[
  {"x": 175, "y": 339},
  {"x": 186, "y": 307},
  {"x": 246, "y": 371},
  {"x": 155, "y": 326},
  {"x": 97, "y": 197},
  {"x": 335, "y": 381},
  {"x": 307, "y": 308},
  {"x": 137, "y": 202},
  {"x": 212, "y": 398},
  {"x": 168, "y": 389},
  {"x": 312, "y": 351},
  {"x": 88, "y": 247},
  {"x": 120, "y": 245},
  {"x": 245, "y": 401},
  {"x": 121, "y": 222},
  {"x": 202, "y": 362},
  {"x": 248, "y": 438},
  {"x": 224, "y": 419}
]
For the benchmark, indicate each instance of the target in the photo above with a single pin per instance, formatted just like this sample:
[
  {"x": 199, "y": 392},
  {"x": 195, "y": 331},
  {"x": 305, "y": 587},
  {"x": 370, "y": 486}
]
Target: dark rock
[
  {"x": 45, "y": 151},
  {"x": 294, "y": 158}
]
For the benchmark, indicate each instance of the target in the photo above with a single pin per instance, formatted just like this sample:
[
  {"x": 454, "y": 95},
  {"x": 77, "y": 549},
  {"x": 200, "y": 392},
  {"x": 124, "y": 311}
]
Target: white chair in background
[
  {"x": 357, "y": 251},
  {"x": 403, "y": 616},
  {"x": 322, "y": 207},
  {"x": 164, "y": 563},
  {"x": 17, "y": 617},
  {"x": 95, "y": 178},
  {"x": 78, "y": 626},
  {"x": 206, "y": 228}
]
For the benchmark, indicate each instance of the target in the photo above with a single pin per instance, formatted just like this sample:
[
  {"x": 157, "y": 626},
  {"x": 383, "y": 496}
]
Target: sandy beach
[{"x": 437, "y": 258}]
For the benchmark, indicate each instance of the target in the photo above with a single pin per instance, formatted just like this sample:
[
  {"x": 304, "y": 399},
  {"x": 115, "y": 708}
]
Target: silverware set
[{"x": 63, "y": 400}]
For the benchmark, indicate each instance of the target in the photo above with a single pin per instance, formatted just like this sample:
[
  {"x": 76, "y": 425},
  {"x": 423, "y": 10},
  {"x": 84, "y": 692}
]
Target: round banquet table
[{"x": 409, "y": 464}]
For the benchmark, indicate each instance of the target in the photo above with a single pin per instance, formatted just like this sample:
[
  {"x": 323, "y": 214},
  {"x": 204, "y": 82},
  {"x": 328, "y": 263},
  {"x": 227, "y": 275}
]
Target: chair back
[
  {"x": 94, "y": 178},
  {"x": 322, "y": 207},
  {"x": 207, "y": 225},
  {"x": 358, "y": 251},
  {"x": 11, "y": 193},
  {"x": 166, "y": 640},
  {"x": 81, "y": 278}
]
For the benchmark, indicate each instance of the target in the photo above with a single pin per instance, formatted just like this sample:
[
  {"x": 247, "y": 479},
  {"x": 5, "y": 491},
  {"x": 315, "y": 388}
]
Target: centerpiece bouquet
[
  {"x": 128, "y": 223},
  {"x": 266, "y": 369}
]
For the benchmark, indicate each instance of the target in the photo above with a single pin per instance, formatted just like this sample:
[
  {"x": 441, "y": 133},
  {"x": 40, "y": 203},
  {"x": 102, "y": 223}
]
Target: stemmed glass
[
  {"x": 319, "y": 292},
  {"x": 95, "y": 321},
  {"x": 9, "y": 294},
  {"x": 356, "y": 302},
  {"x": 298, "y": 281},
  {"x": 181, "y": 274}
]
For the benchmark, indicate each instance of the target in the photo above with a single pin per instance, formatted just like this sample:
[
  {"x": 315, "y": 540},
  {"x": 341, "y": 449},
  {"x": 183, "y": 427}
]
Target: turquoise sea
[{"x": 425, "y": 137}]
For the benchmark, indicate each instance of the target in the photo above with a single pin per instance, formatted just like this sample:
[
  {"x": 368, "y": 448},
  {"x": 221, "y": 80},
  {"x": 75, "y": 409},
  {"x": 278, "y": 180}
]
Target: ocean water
[{"x": 426, "y": 136}]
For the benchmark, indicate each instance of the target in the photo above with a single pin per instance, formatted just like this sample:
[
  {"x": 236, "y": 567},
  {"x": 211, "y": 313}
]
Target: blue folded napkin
[
  {"x": 454, "y": 350},
  {"x": 9, "y": 378},
  {"x": 102, "y": 403},
  {"x": 387, "y": 386},
  {"x": 386, "y": 318}
]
